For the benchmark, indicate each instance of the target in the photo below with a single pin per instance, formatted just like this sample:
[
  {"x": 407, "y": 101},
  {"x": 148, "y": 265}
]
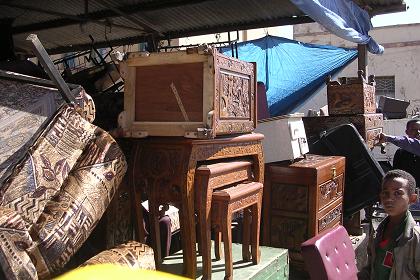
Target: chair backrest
[{"x": 330, "y": 255}]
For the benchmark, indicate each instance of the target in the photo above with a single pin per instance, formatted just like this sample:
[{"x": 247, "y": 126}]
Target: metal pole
[{"x": 48, "y": 66}]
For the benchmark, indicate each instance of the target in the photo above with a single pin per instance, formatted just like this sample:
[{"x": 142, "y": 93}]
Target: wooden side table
[{"x": 164, "y": 167}]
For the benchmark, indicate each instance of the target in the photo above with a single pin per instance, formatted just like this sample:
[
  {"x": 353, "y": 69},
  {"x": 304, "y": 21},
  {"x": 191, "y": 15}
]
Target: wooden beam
[{"x": 363, "y": 59}]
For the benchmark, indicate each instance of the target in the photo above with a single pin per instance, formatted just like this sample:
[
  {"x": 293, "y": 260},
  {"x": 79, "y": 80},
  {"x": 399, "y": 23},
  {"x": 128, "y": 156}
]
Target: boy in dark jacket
[{"x": 394, "y": 248}]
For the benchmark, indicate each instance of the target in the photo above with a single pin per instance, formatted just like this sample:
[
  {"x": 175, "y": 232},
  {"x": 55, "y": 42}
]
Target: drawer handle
[{"x": 329, "y": 188}]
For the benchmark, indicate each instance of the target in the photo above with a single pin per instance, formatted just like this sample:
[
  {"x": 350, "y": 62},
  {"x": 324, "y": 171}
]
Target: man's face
[
  {"x": 394, "y": 196},
  {"x": 413, "y": 130}
]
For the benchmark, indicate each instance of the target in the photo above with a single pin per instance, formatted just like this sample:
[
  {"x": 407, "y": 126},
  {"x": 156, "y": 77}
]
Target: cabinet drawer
[
  {"x": 330, "y": 191},
  {"x": 331, "y": 218}
]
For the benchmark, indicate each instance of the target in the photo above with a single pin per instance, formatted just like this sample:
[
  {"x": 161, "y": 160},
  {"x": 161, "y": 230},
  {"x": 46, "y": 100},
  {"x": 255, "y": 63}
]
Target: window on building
[{"x": 385, "y": 85}]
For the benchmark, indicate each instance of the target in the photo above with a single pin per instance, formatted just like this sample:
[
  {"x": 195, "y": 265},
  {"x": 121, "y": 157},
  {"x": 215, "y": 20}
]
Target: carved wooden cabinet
[
  {"x": 197, "y": 93},
  {"x": 368, "y": 125},
  {"x": 351, "y": 98},
  {"x": 300, "y": 200}
]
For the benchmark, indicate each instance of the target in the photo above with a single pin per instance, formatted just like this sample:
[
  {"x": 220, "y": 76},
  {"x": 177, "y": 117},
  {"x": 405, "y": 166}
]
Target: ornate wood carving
[
  {"x": 330, "y": 191},
  {"x": 363, "y": 123},
  {"x": 225, "y": 179},
  {"x": 288, "y": 232},
  {"x": 357, "y": 98},
  {"x": 289, "y": 197},
  {"x": 234, "y": 98},
  {"x": 372, "y": 136},
  {"x": 330, "y": 218}
]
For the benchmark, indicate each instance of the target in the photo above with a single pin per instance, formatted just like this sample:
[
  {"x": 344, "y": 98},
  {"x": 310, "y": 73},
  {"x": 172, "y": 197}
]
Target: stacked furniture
[
  {"x": 215, "y": 208},
  {"x": 351, "y": 101},
  {"x": 187, "y": 109},
  {"x": 301, "y": 200},
  {"x": 303, "y": 193}
]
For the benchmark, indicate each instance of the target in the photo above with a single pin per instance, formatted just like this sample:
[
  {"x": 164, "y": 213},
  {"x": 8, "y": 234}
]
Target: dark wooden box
[
  {"x": 368, "y": 125},
  {"x": 197, "y": 93},
  {"x": 300, "y": 200},
  {"x": 351, "y": 98}
]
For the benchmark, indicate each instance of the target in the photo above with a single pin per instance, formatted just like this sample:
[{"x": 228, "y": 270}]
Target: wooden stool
[
  {"x": 247, "y": 196},
  {"x": 208, "y": 178}
]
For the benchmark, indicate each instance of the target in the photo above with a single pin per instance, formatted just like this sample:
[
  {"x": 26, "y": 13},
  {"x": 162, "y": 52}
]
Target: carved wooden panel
[
  {"x": 289, "y": 197},
  {"x": 363, "y": 123},
  {"x": 234, "y": 97},
  {"x": 160, "y": 169},
  {"x": 358, "y": 98},
  {"x": 330, "y": 191},
  {"x": 371, "y": 136},
  {"x": 288, "y": 232}
]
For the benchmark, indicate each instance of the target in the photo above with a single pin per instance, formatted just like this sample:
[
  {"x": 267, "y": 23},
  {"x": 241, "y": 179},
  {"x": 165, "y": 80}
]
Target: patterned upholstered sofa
[{"x": 53, "y": 196}]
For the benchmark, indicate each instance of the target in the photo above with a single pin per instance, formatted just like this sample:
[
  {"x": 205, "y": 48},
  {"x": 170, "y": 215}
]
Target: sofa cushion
[
  {"x": 132, "y": 254},
  {"x": 70, "y": 216},
  {"x": 14, "y": 240},
  {"x": 60, "y": 191}
]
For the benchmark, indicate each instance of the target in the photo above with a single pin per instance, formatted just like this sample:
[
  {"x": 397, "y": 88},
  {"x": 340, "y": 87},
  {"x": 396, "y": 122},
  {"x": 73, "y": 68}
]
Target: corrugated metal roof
[{"x": 64, "y": 25}]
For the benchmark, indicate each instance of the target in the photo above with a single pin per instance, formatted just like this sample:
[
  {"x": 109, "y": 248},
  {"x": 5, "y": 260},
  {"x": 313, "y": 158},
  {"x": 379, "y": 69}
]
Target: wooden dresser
[{"x": 300, "y": 200}]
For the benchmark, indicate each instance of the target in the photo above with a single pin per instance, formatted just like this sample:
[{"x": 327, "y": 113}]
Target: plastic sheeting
[
  {"x": 291, "y": 70},
  {"x": 343, "y": 18}
]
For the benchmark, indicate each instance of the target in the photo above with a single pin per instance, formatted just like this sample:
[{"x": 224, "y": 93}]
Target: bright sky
[{"x": 412, "y": 15}]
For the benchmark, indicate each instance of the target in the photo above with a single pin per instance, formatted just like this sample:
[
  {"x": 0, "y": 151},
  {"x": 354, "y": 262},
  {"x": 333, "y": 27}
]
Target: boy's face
[{"x": 394, "y": 196}]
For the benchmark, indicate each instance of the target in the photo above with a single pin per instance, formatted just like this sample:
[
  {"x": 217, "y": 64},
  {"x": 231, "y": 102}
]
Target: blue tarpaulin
[
  {"x": 291, "y": 70},
  {"x": 343, "y": 18}
]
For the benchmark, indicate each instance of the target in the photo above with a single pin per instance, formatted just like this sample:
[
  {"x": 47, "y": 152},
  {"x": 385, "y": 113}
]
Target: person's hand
[{"x": 381, "y": 138}]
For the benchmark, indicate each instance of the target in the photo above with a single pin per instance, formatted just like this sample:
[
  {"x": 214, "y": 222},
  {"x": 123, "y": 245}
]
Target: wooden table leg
[
  {"x": 154, "y": 228},
  {"x": 188, "y": 226},
  {"x": 227, "y": 243},
  {"x": 136, "y": 195},
  {"x": 255, "y": 231},
  {"x": 246, "y": 233},
  {"x": 204, "y": 221}
]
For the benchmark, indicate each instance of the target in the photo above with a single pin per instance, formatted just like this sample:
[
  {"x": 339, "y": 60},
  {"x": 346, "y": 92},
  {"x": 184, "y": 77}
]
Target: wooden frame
[{"x": 227, "y": 95}]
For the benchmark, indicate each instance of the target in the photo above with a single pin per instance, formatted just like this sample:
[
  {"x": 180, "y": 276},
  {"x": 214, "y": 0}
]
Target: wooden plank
[
  {"x": 137, "y": 59},
  {"x": 164, "y": 92}
]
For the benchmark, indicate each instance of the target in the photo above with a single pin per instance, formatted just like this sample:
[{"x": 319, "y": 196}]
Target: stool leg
[
  {"x": 227, "y": 243},
  {"x": 255, "y": 231},
  {"x": 246, "y": 233},
  {"x": 154, "y": 229},
  {"x": 217, "y": 244}
]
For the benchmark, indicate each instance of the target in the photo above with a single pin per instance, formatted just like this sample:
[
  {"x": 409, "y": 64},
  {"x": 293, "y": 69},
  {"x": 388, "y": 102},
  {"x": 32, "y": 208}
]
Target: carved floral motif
[
  {"x": 234, "y": 98},
  {"x": 329, "y": 218}
]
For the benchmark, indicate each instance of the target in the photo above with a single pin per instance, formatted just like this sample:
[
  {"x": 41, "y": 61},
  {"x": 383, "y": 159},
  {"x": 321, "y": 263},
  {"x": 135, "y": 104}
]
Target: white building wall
[{"x": 401, "y": 59}]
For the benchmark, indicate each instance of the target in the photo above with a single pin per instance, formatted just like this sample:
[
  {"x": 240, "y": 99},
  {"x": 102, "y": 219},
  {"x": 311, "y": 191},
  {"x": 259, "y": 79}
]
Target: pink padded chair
[{"x": 330, "y": 255}]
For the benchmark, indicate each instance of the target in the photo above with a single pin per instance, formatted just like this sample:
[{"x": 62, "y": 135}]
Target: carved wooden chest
[
  {"x": 368, "y": 125},
  {"x": 351, "y": 98},
  {"x": 300, "y": 200},
  {"x": 197, "y": 93}
]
